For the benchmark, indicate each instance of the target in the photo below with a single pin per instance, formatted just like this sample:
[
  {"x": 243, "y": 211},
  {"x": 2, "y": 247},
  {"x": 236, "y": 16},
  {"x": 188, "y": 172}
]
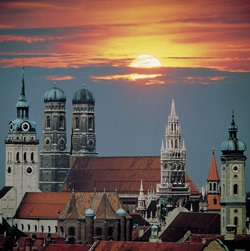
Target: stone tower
[
  {"x": 83, "y": 138},
  {"x": 213, "y": 186},
  {"x": 233, "y": 196},
  {"x": 173, "y": 159},
  {"x": 22, "y": 170},
  {"x": 54, "y": 157}
]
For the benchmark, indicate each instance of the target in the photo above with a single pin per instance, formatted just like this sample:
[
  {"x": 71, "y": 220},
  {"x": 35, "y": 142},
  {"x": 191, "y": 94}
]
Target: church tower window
[
  {"x": 17, "y": 157},
  {"x": 71, "y": 231},
  {"x": 25, "y": 157},
  {"x": 32, "y": 157},
  {"x": 61, "y": 122},
  {"x": 236, "y": 221},
  {"x": 48, "y": 122},
  {"x": 77, "y": 122},
  {"x": 235, "y": 189}
]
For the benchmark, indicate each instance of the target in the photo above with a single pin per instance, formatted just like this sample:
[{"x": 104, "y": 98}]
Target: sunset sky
[{"x": 134, "y": 56}]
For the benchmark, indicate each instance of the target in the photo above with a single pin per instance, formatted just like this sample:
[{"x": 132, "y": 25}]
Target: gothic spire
[{"x": 173, "y": 112}]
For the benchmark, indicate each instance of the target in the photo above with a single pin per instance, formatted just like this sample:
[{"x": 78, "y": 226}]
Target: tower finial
[{"x": 22, "y": 86}]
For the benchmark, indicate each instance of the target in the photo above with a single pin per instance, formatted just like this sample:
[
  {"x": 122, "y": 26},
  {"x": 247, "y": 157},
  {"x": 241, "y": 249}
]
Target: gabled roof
[
  {"x": 67, "y": 205},
  {"x": 121, "y": 173},
  {"x": 213, "y": 171},
  {"x": 196, "y": 222}
]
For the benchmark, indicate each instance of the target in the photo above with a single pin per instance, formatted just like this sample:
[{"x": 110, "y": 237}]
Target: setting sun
[{"x": 145, "y": 61}]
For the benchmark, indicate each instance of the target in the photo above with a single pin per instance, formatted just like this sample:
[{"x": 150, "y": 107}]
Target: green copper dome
[
  {"x": 55, "y": 94},
  {"x": 120, "y": 212},
  {"x": 89, "y": 212},
  {"x": 233, "y": 143},
  {"x": 83, "y": 96}
]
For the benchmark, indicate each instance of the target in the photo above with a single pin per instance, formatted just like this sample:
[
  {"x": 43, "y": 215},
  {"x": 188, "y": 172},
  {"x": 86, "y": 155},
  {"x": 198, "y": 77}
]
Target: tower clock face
[
  {"x": 29, "y": 170},
  {"x": 25, "y": 126},
  {"x": 235, "y": 168}
]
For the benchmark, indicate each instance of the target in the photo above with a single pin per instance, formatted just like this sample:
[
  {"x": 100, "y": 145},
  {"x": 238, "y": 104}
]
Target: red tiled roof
[
  {"x": 67, "y": 205},
  {"x": 35, "y": 204},
  {"x": 213, "y": 171},
  {"x": 142, "y": 246},
  {"x": 121, "y": 173}
]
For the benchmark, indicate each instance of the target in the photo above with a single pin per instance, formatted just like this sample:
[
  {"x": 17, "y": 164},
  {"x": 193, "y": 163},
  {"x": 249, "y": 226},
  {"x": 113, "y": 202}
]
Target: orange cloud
[{"x": 57, "y": 78}]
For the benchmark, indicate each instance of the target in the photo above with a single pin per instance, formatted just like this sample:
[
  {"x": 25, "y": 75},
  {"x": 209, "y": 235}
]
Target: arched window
[
  {"x": 71, "y": 231},
  {"x": 90, "y": 123},
  {"x": 35, "y": 228},
  {"x": 215, "y": 201},
  {"x": 28, "y": 227},
  {"x": 110, "y": 231},
  {"x": 17, "y": 157},
  {"x": 61, "y": 122},
  {"x": 25, "y": 157},
  {"x": 56, "y": 229},
  {"x": 32, "y": 157},
  {"x": 214, "y": 187},
  {"x": 236, "y": 221},
  {"x": 235, "y": 189},
  {"x": 77, "y": 122},
  {"x": 176, "y": 143},
  {"x": 42, "y": 229},
  {"x": 98, "y": 231},
  {"x": 22, "y": 227},
  {"x": 47, "y": 121},
  {"x": 49, "y": 229}
]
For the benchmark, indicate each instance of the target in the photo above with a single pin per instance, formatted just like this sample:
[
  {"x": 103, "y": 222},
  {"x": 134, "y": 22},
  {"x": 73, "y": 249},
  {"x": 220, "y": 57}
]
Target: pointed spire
[
  {"x": 213, "y": 174},
  {"x": 22, "y": 93},
  {"x": 162, "y": 145},
  {"x": 141, "y": 188},
  {"x": 173, "y": 112}
]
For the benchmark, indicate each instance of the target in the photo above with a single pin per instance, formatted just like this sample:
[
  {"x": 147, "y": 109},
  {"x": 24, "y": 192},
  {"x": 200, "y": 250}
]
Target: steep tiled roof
[
  {"x": 65, "y": 205},
  {"x": 142, "y": 246},
  {"x": 197, "y": 223},
  {"x": 35, "y": 205},
  {"x": 213, "y": 171},
  {"x": 121, "y": 173}
]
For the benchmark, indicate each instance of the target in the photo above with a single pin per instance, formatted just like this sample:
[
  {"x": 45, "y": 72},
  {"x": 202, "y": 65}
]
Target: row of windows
[
  {"x": 78, "y": 109},
  {"x": 235, "y": 189},
  {"x": 61, "y": 122},
  {"x": 174, "y": 143},
  {"x": 35, "y": 228},
  {"x": 26, "y": 158},
  {"x": 90, "y": 123},
  {"x": 98, "y": 231},
  {"x": 60, "y": 107}
]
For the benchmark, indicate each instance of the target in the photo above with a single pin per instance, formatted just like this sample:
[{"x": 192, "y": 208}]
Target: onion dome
[
  {"x": 233, "y": 144},
  {"x": 89, "y": 212},
  {"x": 120, "y": 212},
  {"x": 55, "y": 94},
  {"x": 83, "y": 96}
]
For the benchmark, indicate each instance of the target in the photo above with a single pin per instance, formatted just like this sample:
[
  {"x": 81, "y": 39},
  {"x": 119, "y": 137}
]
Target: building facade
[
  {"x": 233, "y": 195},
  {"x": 54, "y": 156},
  {"x": 173, "y": 186},
  {"x": 83, "y": 138},
  {"x": 22, "y": 171}
]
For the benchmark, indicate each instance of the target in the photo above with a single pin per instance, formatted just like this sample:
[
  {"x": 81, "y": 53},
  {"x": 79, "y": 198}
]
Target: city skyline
[{"x": 203, "y": 50}]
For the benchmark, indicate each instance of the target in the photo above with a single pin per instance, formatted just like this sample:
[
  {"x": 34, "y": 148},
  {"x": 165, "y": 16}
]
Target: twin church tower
[
  {"x": 22, "y": 167},
  {"x": 54, "y": 156}
]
